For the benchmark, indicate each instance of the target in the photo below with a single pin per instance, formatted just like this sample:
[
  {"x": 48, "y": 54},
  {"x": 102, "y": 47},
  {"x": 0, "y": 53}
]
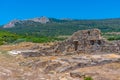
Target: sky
[{"x": 75, "y": 9}]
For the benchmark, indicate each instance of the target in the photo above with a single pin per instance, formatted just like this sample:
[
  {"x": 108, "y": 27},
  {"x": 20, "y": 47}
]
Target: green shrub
[
  {"x": 88, "y": 78},
  {"x": 111, "y": 37},
  {"x": 1, "y": 43}
]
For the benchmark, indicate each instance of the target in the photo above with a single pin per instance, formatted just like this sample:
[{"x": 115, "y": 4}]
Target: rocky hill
[{"x": 13, "y": 23}]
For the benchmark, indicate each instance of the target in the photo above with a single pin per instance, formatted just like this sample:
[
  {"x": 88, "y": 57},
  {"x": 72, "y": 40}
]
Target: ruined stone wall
[
  {"x": 111, "y": 47},
  {"x": 87, "y": 41}
]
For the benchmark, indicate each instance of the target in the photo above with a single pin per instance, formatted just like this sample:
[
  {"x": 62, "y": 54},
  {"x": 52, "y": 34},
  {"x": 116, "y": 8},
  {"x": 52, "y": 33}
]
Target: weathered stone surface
[
  {"x": 35, "y": 64},
  {"x": 35, "y": 53},
  {"x": 41, "y": 19},
  {"x": 41, "y": 64},
  {"x": 77, "y": 74},
  {"x": 35, "y": 47},
  {"x": 31, "y": 54},
  {"x": 28, "y": 64},
  {"x": 52, "y": 67},
  {"x": 64, "y": 68}
]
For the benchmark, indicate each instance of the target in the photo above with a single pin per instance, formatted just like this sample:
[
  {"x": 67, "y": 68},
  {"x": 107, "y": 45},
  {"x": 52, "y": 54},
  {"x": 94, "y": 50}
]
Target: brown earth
[{"x": 24, "y": 46}]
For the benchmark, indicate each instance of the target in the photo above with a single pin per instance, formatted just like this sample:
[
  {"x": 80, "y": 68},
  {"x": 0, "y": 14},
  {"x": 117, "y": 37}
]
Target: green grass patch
[
  {"x": 111, "y": 37},
  {"x": 88, "y": 78}
]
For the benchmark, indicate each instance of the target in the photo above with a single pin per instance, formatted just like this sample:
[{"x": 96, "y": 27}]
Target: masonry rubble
[
  {"x": 83, "y": 41},
  {"x": 87, "y": 41},
  {"x": 65, "y": 64}
]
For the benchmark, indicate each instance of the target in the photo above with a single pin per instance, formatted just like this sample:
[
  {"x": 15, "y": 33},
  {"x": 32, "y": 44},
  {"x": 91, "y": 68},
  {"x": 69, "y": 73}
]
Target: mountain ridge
[
  {"x": 12, "y": 23},
  {"x": 44, "y": 20}
]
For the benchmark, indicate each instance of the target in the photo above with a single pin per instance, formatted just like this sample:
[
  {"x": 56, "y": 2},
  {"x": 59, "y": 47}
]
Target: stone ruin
[
  {"x": 87, "y": 41},
  {"x": 83, "y": 41}
]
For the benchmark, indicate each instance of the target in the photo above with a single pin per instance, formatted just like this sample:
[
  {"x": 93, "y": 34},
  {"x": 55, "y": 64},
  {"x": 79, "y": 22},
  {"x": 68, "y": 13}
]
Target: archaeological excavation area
[{"x": 85, "y": 54}]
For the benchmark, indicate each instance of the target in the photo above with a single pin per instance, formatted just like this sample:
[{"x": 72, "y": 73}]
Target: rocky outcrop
[
  {"x": 77, "y": 74},
  {"x": 11, "y": 24},
  {"x": 43, "y": 20}
]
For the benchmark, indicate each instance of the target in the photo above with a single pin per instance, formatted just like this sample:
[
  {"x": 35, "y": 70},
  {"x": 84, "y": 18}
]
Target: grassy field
[{"x": 111, "y": 36}]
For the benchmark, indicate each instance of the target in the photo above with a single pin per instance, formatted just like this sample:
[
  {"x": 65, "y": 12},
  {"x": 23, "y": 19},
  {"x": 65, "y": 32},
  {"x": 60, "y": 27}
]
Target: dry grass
[{"x": 24, "y": 45}]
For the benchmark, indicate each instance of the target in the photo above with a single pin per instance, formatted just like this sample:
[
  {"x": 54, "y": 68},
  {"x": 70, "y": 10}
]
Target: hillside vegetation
[
  {"x": 7, "y": 37},
  {"x": 58, "y": 27},
  {"x": 11, "y": 38},
  {"x": 31, "y": 31}
]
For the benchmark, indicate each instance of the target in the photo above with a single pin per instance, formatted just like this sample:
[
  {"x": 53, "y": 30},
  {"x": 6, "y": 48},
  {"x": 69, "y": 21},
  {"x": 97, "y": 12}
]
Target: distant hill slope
[{"x": 56, "y": 27}]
